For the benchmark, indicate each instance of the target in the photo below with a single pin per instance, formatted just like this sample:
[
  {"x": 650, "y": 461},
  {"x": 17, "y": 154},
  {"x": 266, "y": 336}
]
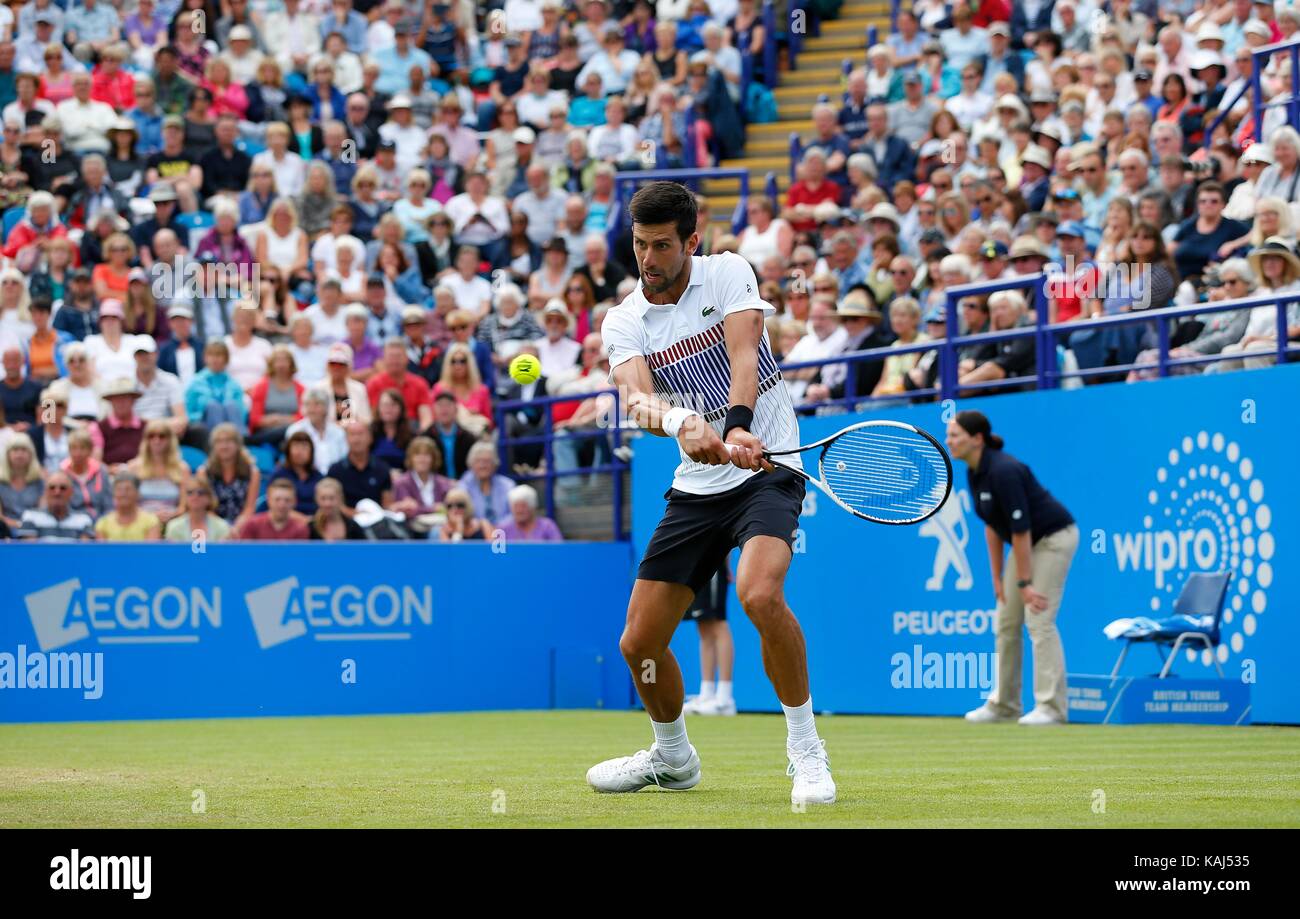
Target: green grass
[{"x": 449, "y": 770}]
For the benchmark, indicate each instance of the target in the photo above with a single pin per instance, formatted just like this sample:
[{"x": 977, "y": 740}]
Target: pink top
[{"x": 479, "y": 402}]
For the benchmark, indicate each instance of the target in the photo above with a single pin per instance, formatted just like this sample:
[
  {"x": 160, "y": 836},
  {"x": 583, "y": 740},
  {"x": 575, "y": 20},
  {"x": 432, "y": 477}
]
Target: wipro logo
[
  {"x": 285, "y": 610},
  {"x": 67, "y": 612},
  {"x": 1206, "y": 512}
]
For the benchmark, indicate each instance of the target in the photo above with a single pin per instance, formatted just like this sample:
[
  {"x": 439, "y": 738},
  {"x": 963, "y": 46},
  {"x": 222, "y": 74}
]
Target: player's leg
[
  {"x": 653, "y": 613},
  {"x": 671, "y": 762},
  {"x": 760, "y": 584}
]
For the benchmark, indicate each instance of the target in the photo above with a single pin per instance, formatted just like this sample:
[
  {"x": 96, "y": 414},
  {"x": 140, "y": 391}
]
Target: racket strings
[{"x": 891, "y": 475}]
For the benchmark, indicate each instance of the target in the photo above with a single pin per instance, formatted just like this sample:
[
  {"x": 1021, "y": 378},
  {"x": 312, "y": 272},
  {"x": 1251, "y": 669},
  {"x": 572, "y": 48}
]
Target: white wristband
[{"x": 674, "y": 418}]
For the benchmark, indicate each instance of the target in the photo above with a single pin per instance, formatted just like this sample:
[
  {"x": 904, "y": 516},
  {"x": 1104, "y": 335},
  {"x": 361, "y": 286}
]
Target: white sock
[
  {"x": 706, "y": 689},
  {"x": 724, "y": 691},
  {"x": 800, "y": 727},
  {"x": 670, "y": 740}
]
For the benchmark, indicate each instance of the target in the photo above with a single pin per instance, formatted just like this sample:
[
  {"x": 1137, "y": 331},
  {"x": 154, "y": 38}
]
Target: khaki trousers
[{"x": 1051, "y": 562}]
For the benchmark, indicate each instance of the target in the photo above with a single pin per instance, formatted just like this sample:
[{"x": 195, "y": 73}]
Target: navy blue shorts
[{"x": 697, "y": 531}]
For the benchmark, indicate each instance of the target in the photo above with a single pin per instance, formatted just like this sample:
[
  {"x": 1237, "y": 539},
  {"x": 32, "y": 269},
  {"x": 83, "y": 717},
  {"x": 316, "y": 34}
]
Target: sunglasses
[
  {"x": 457, "y": 505},
  {"x": 58, "y": 488},
  {"x": 459, "y": 360}
]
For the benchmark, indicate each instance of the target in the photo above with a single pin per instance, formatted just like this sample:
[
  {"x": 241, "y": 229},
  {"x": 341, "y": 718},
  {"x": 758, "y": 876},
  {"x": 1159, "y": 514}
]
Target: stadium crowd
[{"x": 301, "y": 240}]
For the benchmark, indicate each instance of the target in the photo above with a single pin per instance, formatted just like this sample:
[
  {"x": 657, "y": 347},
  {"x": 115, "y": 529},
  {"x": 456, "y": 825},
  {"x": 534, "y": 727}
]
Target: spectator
[
  {"x": 330, "y": 523},
  {"x": 232, "y": 474},
  {"x": 19, "y": 396},
  {"x": 278, "y": 521},
  {"x": 473, "y": 294},
  {"x": 461, "y": 326},
  {"x": 362, "y": 476},
  {"x": 390, "y": 431},
  {"x": 160, "y": 474},
  {"x": 127, "y": 522},
  {"x": 345, "y": 397},
  {"x": 275, "y": 399},
  {"x": 861, "y": 320},
  {"x": 118, "y": 436},
  {"x": 1015, "y": 356},
  {"x": 1199, "y": 238},
  {"x": 393, "y": 375},
  {"x": 454, "y": 440},
  {"x": 460, "y": 377},
  {"x": 213, "y": 397},
  {"x": 299, "y": 468},
  {"x": 57, "y": 520},
  {"x": 826, "y": 338},
  {"x": 85, "y": 121},
  {"x": 182, "y": 354},
  {"x": 524, "y": 524},
  {"x": 1282, "y": 178},
  {"x": 91, "y": 492},
  {"x": 478, "y": 219},
  {"x": 904, "y": 320},
  {"x": 329, "y": 444},
  {"x": 51, "y": 436},
  {"x": 422, "y": 489},
  {"x": 21, "y": 482},
  {"x": 462, "y": 521},
  {"x": 810, "y": 190},
  {"x": 197, "y": 521},
  {"x": 326, "y": 314},
  {"x": 766, "y": 235}
]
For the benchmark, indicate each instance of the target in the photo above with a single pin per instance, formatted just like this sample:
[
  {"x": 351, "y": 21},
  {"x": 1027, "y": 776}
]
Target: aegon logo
[
  {"x": 284, "y": 610},
  {"x": 1206, "y": 513},
  {"x": 66, "y": 612}
]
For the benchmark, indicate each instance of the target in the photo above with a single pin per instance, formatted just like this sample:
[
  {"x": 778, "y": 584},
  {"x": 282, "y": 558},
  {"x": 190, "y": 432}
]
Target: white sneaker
[
  {"x": 986, "y": 715},
  {"x": 693, "y": 704},
  {"x": 811, "y": 770},
  {"x": 715, "y": 707},
  {"x": 1039, "y": 717},
  {"x": 643, "y": 768}
]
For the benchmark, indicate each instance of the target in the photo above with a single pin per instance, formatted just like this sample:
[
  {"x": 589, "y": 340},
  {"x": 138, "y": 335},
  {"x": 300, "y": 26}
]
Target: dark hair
[
  {"x": 665, "y": 202},
  {"x": 403, "y": 435},
  {"x": 300, "y": 437},
  {"x": 973, "y": 423}
]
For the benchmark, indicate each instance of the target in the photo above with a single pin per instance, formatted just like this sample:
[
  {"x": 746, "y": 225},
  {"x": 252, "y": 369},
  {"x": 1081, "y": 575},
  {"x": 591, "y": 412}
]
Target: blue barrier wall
[
  {"x": 262, "y": 629},
  {"x": 1186, "y": 474}
]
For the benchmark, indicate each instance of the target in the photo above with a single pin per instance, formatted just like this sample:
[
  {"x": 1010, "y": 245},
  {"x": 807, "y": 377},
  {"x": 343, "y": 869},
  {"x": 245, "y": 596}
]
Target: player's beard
[{"x": 665, "y": 281}]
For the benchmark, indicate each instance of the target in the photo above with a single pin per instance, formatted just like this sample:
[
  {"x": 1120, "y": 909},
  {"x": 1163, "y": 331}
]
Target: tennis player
[{"x": 688, "y": 348}]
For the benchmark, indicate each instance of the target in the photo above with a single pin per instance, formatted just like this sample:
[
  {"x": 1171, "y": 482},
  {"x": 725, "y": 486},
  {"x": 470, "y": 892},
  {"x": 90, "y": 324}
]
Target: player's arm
[
  {"x": 743, "y": 332},
  {"x": 651, "y": 413}
]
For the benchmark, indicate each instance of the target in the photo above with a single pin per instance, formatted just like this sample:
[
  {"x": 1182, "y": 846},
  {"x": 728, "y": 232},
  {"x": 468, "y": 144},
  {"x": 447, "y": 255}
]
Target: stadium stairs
[{"x": 819, "y": 71}]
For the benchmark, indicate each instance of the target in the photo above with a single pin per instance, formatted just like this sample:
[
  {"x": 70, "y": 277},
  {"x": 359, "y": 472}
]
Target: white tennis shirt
[{"x": 686, "y": 349}]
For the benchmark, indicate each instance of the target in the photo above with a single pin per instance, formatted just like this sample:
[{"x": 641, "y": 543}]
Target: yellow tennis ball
[{"x": 525, "y": 369}]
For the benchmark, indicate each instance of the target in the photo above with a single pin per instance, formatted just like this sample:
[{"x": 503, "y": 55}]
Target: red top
[
  {"x": 257, "y": 395},
  {"x": 117, "y": 90},
  {"x": 800, "y": 193},
  {"x": 259, "y": 526},
  {"x": 415, "y": 392}
]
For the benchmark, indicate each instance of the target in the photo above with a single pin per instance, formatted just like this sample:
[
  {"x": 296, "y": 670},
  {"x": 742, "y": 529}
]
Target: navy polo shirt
[
  {"x": 1009, "y": 499},
  {"x": 359, "y": 484}
]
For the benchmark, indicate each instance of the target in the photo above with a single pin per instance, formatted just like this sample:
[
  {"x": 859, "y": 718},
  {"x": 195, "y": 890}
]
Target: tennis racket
[{"x": 882, "y": 471}]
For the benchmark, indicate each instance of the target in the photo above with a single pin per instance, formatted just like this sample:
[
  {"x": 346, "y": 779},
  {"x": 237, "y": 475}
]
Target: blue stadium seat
[
  {"x": 11, "y": 218},
  {"x": 1198, "y": 612},
  {"x": 193, "y": 457},
  {"x": 265, "y": 457}
]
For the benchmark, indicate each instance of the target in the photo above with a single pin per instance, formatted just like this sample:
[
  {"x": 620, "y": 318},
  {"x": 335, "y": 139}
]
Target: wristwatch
[{"x": 1024, "y": 583}]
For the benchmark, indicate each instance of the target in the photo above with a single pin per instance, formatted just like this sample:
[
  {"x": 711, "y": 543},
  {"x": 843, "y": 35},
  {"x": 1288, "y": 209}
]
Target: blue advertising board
[
  {"x": 1150, "y": 700},
  {"x": 115, "y": 631},
  {"x": 1163, "y": 478}
]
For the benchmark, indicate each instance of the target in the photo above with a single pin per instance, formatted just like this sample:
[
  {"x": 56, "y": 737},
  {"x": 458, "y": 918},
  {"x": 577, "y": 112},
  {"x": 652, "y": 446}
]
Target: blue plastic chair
[
  {"x": 264, "y": 455},
  {"x": 11, "y": 218},
  {"x": 1198, "y": 613},
  {"x": 193, "y": 457}
]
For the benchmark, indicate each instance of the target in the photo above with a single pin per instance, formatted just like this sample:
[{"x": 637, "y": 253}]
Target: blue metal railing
[
  {"x": 1260, "y": 57},
  {"x": 617, "y": 467},
  {"x": 1046, "y": 335}
]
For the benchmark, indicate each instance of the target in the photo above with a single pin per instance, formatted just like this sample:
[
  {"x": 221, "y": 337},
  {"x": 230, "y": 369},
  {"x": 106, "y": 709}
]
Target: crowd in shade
[{"x": 265, "y": 263}]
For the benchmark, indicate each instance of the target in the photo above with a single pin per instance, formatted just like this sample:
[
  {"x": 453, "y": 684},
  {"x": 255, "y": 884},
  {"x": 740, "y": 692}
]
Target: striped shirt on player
[{"x": 684, "y": 345}]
